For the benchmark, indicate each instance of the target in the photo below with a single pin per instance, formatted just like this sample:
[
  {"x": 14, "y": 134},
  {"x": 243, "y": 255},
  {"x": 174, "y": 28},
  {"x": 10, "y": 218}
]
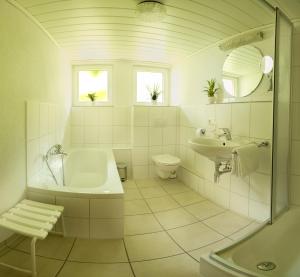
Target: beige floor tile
[
  {"x": 98, "y": 251},
  {"x": 132, "y": 194},
  {"x": 135, "y": 207},
  {"x": 146, "y": 183},
  {"x": 56, "y": 247},
  {"x": 176, "y": 187},
  {"x": 194, "y": 236},
  {"x": 176, "y": 266},
  {"x": 245, "y": 231},
  {"x": 45, "y": 267},
  {"x": 152, "y": 192},
  {"x": 175, "y": 218},
  {"x": 73, "y": 269},
  {"x": 204, "y": 210},
  {"x": 14, "y": 240},
  {"x": 150, "y": 246},
  {"x": 207, "y": 249},
  {"x": 129, "y": 184},
  {"x": 141, "y": 224},
  {"x": 162, "y": 203},
  {"x": 188, "y": 198},
  {"x": 227, "y": 223}
]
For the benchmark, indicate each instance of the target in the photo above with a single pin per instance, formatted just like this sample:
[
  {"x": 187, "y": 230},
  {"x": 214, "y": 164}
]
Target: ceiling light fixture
[{"x": 151, "y": 11}]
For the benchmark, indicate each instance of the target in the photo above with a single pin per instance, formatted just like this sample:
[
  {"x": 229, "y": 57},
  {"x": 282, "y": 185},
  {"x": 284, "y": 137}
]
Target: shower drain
[{"x": 266, "y": 266}]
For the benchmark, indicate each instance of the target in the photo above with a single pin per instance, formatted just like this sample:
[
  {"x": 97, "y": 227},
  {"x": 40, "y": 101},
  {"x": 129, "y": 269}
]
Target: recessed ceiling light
[{"x": 151, "y": 11}]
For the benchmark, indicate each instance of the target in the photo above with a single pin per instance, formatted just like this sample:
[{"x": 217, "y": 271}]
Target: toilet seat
[{"x": 166, "y": 159}]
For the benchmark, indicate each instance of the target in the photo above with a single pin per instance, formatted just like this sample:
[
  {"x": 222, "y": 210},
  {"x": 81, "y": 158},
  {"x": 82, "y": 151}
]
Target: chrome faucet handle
[{"x": 226, "y": 133}]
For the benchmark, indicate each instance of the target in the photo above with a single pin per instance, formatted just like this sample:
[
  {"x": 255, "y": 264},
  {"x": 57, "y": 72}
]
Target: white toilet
[{"x": 166, "y": 165}]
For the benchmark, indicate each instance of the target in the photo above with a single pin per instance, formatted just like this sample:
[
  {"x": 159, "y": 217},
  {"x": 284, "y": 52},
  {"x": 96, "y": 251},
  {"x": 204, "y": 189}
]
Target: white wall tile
[
  {"x": 77, "y": 116},
  {"x": 121, "y": 135},
  {"x": 154, "y": 150},
  {"x": 106, "y": 208},
  {"x": 105, "y": 134},
  {"x": 77, "y": 227},
  {"x": 155, "y": 136},
  {"x": 76, "y": 135},
  {"x": 90, "y": 116},
  {"x": 121, "y": 116},
  {"x": 169, "y": 149},
  {"x": 259, "y": 210},
  {"x": 240, "y": 185},
  {"x": 170, "y": 116},
  {"x": 295, "y": 158},
  {"x": 223, "y": 116},
  {"x": 33, "y": 120},
  {"x": 260, "y": 187},
  {"x": 241, "y": 119},
  {"x": 140, "y": 156},
  {"x": 91, "y": 134},
  {"x": 222, "y": 197},
  {"x": 261, "y": 120},
  {"x": 105, "y": 116},
  {"x": 295, "y": 120},
  {"x": 239, "y": 204},
  {"x": 169, "y": 135},
  {"x": 74, "y": 207},
  {"x": 141, "y": 116},
  {"x": 44, "y": 119},
  {"x": 156, "y": 117},
  {"x": 140, "y": 136}
]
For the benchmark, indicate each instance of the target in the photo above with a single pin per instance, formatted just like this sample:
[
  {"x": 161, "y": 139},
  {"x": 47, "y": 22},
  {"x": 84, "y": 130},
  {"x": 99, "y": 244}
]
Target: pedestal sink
[{"x": 214, "y": 149}]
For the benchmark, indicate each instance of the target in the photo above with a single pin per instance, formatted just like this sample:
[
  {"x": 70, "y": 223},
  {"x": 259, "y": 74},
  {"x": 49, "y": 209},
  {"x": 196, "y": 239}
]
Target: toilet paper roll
[{"x": 200, "y": 132}]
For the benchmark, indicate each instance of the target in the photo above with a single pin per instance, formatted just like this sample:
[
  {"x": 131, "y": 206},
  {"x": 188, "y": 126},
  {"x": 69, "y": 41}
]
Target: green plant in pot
[
  {"x": 154, "y": 91},
  {"x": 92, "y": 96},
  {"x": 211, "y": 90}
]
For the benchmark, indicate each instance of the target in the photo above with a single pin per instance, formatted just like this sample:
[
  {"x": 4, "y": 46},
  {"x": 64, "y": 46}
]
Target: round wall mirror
[{"x": 242, "y": 71}]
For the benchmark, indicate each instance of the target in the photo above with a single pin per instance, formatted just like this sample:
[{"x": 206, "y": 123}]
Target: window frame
[
  {"x": 235, "y": 84},
  {"x": 75, "y": 84},
  {"x": 165, "y": 74}
]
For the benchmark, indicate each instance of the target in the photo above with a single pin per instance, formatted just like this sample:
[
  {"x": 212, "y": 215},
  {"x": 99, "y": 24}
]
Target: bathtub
[
  {"x": 93, "y": 195},
  {"x": 278, "y": 243}
]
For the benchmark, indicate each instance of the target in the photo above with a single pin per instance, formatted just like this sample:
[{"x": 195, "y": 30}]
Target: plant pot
[{"x": 211, "y": 99}]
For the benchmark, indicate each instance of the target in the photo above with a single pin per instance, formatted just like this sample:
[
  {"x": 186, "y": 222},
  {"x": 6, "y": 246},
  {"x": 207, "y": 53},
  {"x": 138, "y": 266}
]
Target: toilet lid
[{"x": 166, "y": 159}]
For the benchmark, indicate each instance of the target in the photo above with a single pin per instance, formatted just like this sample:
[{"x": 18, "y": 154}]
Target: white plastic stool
[{"x": 32, "y": 219}]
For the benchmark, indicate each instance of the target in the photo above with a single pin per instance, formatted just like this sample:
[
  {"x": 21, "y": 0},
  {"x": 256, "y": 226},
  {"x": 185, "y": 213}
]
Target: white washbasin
[{"x": 212, "y": 148}]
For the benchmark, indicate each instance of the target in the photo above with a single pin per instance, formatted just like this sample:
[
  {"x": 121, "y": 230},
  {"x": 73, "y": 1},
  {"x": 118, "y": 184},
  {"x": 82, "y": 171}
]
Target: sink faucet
[{"x": 226, "y": 133}]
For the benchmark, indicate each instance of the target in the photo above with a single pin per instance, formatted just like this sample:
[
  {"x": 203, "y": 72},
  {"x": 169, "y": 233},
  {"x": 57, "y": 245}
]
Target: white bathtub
[
  {"x": 92, "y": 195},
  {"x": 278, "y": 243}
]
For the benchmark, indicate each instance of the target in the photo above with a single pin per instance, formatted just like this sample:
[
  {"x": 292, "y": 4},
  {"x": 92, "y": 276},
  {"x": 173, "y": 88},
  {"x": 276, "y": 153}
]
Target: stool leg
[
  {"x": 33, "y": 258},
  {"x": 63, "y": 225}
]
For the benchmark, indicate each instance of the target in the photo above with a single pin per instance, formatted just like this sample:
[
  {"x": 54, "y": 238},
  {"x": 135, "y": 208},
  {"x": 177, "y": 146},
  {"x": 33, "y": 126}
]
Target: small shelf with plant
[{"x": 211, "y": 90}]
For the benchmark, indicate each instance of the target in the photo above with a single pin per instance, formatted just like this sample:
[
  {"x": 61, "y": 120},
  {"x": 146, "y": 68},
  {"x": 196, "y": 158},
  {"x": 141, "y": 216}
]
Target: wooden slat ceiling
[
  {"x": 110, "y": 29},
  {"x": 290, "y": 7}
]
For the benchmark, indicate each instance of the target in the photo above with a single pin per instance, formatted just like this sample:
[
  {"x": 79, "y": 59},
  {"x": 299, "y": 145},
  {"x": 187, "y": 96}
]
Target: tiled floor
[{"x": 167, "y": 228}]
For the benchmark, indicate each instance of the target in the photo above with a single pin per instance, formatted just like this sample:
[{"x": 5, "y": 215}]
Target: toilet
[{"x": 166, "y": 165}]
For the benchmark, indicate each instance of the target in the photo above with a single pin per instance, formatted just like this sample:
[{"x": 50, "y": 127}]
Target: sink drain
[{"x": 266, "y": 266}]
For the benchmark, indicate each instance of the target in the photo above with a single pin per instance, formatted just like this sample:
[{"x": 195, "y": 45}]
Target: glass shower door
[{"x": 281, "y": 114}]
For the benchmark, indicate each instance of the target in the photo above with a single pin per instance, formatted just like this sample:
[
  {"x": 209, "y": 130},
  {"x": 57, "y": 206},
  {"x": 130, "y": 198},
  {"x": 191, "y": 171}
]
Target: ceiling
[{"x": 110, "y": 29}]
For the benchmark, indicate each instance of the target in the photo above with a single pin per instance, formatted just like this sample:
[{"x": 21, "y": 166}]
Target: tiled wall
[
  {"x": 103, "y": 127},
  {"x": 154, "y": 132},
  {"x": 295, "y": 157},
  {"x": 135, "y": 133},
  {"x": 47, "y": 124},
  {"x": 249, "y": 196}
]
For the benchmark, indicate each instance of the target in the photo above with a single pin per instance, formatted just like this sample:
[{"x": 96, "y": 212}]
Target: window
[
  {"x": 230, "y": 85},
  {"x": 92, "y": 85},
  {"x": 146, "y": 80}
]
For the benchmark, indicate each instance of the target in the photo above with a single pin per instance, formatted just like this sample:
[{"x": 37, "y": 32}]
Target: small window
[
  {"x": 147, "y": 81},
  {"x": 230, "y": 85},
  {"x": 92, "y": 85}
]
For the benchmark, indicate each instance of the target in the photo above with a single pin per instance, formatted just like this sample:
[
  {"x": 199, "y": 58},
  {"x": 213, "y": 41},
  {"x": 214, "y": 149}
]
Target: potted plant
[
  {"x": 211, "y": 90},
  {"x": 92, "y": 96},
  {"x": 154, "y": 91}
]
